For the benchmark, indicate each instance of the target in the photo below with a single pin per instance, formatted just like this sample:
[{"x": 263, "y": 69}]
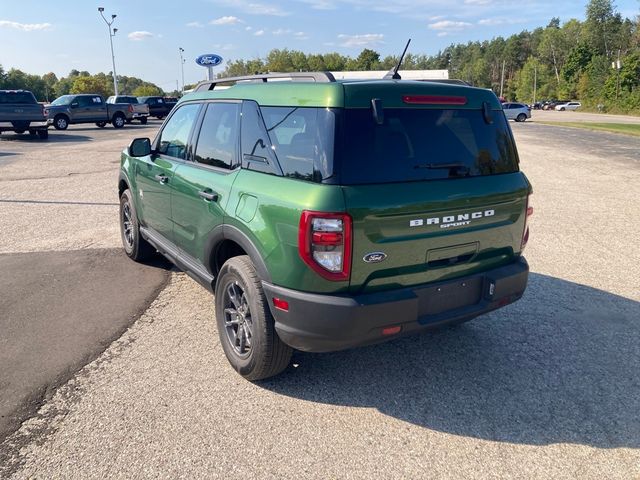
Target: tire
[
  {"x": 521, "y": 117},
  {"x": 61, "y": 122},
  {"x": 562, "y": 109},
  {"x": 118, "y": 120},
  {"x": 101, "y": 124},
  {"x": 242, "y": 307},
  {"x": 43, "y": 134},
  {"x": 136, "y": 247},
  {"x": 143, "y": 120},
  {"x": 32, "y": 133}
]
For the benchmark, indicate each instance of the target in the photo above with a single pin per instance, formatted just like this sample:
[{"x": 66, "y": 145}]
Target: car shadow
[
  {"x": 54, "y": 137},
  {"x": 562, "y": 365}
]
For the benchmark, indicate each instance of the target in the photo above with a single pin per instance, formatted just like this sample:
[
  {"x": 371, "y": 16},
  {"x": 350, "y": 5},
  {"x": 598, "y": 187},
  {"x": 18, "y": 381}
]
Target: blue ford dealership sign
[{"x": 209, "y": 60}]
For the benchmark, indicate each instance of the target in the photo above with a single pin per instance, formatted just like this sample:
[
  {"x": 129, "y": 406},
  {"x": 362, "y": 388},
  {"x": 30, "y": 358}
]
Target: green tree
[
  {"x": 148, "y": 90},
  {"x": 89, "y": 84},
  {"x": 368, "y": 60}
]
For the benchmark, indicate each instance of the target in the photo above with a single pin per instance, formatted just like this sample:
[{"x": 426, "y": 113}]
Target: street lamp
[
  {"x": 182, "y": 60},
  {"x": 111, "y": 35}
]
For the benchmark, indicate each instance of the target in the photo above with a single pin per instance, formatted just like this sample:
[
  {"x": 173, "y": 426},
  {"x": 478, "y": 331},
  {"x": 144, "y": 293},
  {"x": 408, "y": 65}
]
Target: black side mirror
[{"x": 140, "y": 147}]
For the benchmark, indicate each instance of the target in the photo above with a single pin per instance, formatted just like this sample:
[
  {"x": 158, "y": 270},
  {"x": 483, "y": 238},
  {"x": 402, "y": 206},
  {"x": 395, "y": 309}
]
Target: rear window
[
  {"x": 423, "y": 144},
  {"x": 17, "y": 97}
]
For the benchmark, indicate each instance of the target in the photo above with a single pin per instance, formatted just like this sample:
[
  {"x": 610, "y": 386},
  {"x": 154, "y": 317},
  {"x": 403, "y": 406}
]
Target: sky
[{"x": 40, "y": 36}]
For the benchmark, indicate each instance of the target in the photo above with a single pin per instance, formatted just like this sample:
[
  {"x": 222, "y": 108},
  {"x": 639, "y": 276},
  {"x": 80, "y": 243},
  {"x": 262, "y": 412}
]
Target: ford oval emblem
[
  {"x": 375, "y": 257},
  {"x": 209, "y": 60}
]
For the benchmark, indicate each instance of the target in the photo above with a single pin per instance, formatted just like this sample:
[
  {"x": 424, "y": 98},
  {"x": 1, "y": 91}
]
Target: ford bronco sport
[{"x": 329, "y": 214}]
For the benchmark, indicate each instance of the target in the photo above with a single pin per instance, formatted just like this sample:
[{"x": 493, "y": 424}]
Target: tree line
[
  {"x": 48, "y": 87},
  {"x": 596, "y": 61}
]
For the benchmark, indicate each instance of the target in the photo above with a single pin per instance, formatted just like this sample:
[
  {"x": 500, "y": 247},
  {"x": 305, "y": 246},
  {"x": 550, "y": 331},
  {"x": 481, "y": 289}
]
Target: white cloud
[
  {"x": 321, "y": 4},
  {"x": 248, "y": 29},
  {"x": 500, "y": 21},
  {"x": 140, "y": 35},
  {"x": 223, "y": 46},
  {"x": 253, "y": 8},
  {"x": 195, "y": 25},
  {"x": 25, "y": 27},
  {"x": 366, "y": 40},
  {"x": 259, "y": 33},
  {"x": 449, "y": 25},
  {"x": 281, "y": 31},
  {"x": 478, "y": 2},
  {"x": 229, "y": 20}
]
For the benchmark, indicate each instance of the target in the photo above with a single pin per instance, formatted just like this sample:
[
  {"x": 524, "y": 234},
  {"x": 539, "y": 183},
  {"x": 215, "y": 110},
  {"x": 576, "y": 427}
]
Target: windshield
[
  {"x": 424, "y": 144},
  {"x": 63, "y": 100}
]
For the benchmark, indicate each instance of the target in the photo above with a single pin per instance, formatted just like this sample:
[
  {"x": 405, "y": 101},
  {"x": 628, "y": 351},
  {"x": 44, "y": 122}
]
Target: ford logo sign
[
  {"x": 209, "y": 60},
  {"x": 375, "y": 257}
]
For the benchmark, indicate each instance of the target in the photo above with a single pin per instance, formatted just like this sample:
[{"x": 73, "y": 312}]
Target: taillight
[
  {"x": 324, "y": 243},
  {"x": 130, "y": 108},
  {"x": 525, "y": 233},
  {"x": 45, "y": 112}
]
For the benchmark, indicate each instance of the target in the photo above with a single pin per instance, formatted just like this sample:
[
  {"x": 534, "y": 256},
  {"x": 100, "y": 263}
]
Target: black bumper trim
[{"x": 324, "y": 323}]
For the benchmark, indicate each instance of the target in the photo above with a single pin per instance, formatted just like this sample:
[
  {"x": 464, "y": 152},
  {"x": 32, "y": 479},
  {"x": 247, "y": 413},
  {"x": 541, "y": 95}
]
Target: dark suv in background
[{"x": 329, "y": 214}]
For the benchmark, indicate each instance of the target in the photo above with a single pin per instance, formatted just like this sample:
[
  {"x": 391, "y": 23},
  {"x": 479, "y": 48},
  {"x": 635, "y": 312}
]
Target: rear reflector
[
  {"x": 434, "y": 100},
  {"x": 281, "y": 304},
  {"x": 391, "y": 330}
]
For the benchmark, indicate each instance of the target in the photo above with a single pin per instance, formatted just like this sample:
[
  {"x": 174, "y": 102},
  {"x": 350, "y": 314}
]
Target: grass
[{"x": 625, "y": 128}]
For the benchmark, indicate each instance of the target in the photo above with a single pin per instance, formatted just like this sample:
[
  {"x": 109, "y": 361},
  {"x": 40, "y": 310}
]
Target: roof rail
[{"x": 320, "y": 77}]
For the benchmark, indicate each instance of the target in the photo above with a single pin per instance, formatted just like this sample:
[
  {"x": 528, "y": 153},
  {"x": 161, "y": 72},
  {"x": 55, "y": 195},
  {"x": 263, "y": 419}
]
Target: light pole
[
  {"x": 181, "y": 50},
  {"x": 111, "y": 35}
]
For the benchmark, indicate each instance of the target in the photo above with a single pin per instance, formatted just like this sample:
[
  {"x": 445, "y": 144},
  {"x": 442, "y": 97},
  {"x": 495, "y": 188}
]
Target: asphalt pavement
[
  {"x": 548, "y": 387},
  {"x": 60, "y": 310}
]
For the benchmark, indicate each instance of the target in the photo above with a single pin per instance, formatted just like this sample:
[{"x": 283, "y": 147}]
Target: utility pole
[
  {"x": 535, "y": 81},
  {"x": 111, "y": 35},
  {"x": 181, "y": 50},
  {"x": 502, "y": 79},
  {"x": 617, "y": 66}
]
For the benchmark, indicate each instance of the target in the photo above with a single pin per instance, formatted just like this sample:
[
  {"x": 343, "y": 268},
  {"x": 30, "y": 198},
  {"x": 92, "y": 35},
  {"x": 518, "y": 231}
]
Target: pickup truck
[
  {"x": 87, "y": 108},
  {"x": 158, "y": 106},
  {"x": 20, "y": 112},
  {"x": 140, "y": 110}
]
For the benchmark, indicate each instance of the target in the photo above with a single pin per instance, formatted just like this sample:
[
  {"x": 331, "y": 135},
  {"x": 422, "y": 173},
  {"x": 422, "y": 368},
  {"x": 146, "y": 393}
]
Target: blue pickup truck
[
  {"x": 20, "y": 112},
  {"x": 87, "y": 108}
]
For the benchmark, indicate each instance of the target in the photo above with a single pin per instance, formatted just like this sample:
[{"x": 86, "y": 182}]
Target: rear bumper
[
  {"x": 324, "y": 323},
  {"x": 31, "y": 125},
  {"x": 139, "y": 115}
]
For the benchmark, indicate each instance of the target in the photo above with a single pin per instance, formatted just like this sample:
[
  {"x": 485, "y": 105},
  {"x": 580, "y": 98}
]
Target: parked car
[
  {"x": 568, "y": 106},
  {"x": 552, "y": 104},
  {"x": 140, "y": 110},
  {"x": 320, "y": 244},
  {"x": 87, "y": 108},
  {"x": 516, "y": 111},
  {"x": 158, "y": 106},
  {"x": 20, "y": 112}
]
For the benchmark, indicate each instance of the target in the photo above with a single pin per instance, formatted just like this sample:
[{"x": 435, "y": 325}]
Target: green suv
[{"x": 329, "y": 214}]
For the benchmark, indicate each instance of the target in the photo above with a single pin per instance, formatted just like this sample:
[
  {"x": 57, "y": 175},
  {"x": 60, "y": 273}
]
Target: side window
[
  {"x": 175, "y": 134},
  {"x": 84, "y": 101},
  {"x": 218, "y": 140},
  {"x": 257, "y": 150}
]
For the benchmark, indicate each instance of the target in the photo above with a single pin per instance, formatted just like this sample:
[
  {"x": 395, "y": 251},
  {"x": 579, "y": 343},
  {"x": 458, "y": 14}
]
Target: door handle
[
  {"x": 208, "y": 195},
  {"x": 162, "y": 178}
]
